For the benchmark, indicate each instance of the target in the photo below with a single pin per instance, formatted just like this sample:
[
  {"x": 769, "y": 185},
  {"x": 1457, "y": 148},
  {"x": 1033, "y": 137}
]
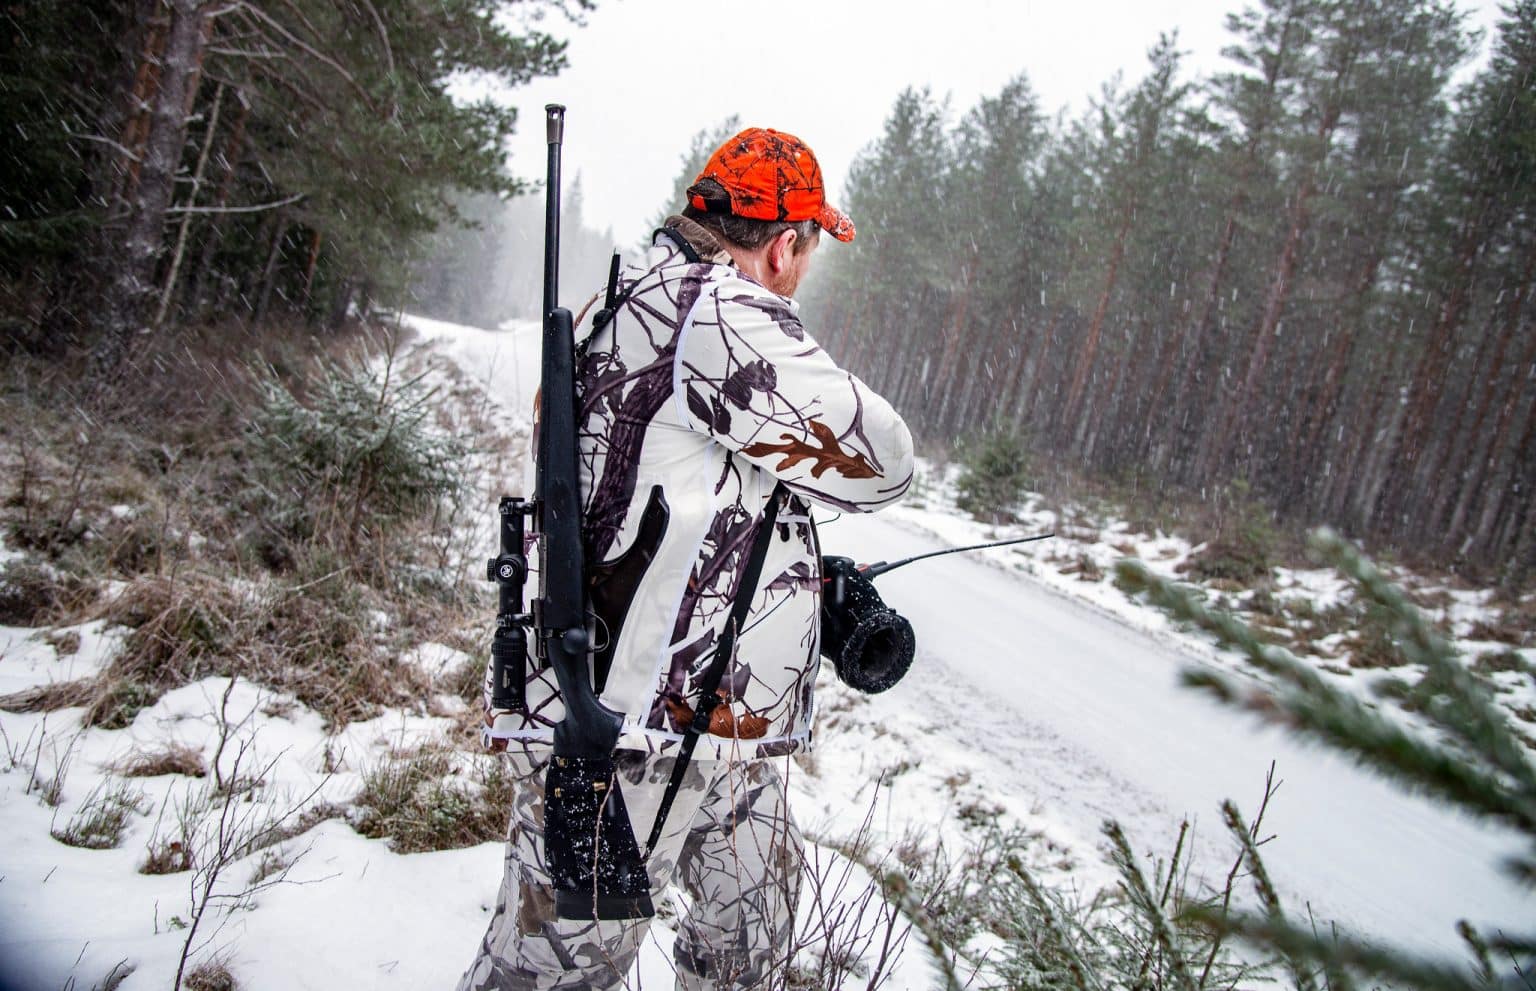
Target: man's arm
[{"x": 749, "y": 375}]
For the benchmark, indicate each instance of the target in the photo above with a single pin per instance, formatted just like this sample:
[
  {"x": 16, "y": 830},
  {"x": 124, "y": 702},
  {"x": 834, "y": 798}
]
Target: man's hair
[{"x": 744, "y": 232}]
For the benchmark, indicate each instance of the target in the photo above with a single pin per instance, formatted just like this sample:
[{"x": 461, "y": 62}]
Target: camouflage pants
[{"x": 729, "y": 844}]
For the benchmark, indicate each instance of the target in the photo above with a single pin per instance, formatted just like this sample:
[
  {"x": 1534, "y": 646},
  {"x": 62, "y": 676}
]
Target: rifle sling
[
  {"x": 725, "y": 650},
  {"x": 679, "y": 242}
]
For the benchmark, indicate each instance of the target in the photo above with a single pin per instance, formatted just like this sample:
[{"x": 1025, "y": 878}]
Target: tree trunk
[
  {"x": 340, "y": 305},
  {"x": 1096, "y": 326},
  {"x": 138, "y": 121},
  {"x": 949, "y": 360},
  {"x": 1425, "y": 388},
  {"x": 1324, "y": 411},
  {"x": 1026, "y": 400},
  {"x": 213, "y": 232},
  {"x": 1200, "y": 325},
  {"x": 1488, "y": 539},
  {"x": 309, "y": 267},
  {"x": 186, "y": 218},
  {"x": 1237, "y": 407},
  {"x": 269, "y": 270},
  {"x": 1458, "y": 461},
  {"x": 132, "y": 287},
  {"x": 1478, "y": 475}
]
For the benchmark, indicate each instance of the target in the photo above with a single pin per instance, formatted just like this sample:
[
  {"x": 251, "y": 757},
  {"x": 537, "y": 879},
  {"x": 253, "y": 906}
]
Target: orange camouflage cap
[{"x": 769, "y": 175}]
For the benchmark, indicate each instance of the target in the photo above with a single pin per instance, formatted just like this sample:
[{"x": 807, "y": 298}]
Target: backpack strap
[{"x": 725, "y": 650}]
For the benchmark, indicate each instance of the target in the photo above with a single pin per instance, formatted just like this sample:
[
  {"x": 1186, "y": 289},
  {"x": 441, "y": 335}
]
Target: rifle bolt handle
[{"x": 575, "y": 640}]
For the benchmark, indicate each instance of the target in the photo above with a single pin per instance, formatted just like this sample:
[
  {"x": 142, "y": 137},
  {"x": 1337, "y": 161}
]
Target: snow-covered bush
[{"x": 352, "y": 456}]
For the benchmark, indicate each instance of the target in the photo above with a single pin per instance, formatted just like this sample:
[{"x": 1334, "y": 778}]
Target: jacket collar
[{"x": 702, "y": 240}]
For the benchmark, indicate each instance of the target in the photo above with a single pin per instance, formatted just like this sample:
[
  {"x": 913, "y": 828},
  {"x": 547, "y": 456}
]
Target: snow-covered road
[
  {"x": 1084, "y": 715},
  {"x": 1081, "y": 716}
]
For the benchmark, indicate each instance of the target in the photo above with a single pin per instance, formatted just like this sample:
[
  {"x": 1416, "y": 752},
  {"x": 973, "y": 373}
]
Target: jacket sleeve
[{"x": 748, "y": 374}]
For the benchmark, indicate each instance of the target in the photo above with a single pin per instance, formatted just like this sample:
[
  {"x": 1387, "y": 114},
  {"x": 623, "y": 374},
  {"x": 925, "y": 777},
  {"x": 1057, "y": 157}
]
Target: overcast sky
[{"x": 646, "y": 75}]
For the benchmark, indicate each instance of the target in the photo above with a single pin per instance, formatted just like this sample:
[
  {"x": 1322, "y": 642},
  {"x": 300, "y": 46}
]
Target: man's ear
[{"x": 781, "y": 250}]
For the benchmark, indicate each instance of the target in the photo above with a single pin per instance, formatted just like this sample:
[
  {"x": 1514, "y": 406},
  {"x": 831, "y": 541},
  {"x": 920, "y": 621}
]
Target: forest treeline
[
  {"x": 174, "y": 162},
  {"x": 1310, "y": 275}
]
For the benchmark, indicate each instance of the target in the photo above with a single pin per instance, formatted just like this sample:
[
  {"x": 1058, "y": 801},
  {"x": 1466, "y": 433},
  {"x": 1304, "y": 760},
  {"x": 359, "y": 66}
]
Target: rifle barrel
[{"x": 555, "y": 131}]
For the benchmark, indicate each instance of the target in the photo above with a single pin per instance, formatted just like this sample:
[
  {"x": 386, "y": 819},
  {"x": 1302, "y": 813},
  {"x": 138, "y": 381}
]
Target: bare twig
[{"x": 238, "y": 209}]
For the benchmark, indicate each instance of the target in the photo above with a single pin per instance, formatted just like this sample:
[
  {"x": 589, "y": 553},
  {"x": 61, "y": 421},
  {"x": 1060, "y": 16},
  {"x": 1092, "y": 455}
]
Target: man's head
[{"x": 763, "y": 195}]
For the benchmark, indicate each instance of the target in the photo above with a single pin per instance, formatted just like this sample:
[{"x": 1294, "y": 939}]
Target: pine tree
[
  {"x": 893, "y": 284},
  {"x": 319, "y": 135}
]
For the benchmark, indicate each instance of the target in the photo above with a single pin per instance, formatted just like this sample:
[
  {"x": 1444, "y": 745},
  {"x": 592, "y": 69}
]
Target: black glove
[{"x": 870, "y": 645}]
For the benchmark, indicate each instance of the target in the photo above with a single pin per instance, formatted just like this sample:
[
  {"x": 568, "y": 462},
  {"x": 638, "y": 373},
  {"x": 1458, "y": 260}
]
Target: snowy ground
[{"x": 1039, "y": 699}]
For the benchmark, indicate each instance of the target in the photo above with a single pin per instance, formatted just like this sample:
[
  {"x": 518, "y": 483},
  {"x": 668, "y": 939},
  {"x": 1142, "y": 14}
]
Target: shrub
[
  {"x": 1243, "y": 550},
  {"x": 118, "y": 701},
  {"x": 994, "y": 475},
  {"x": 33, "y": 594},
  {"x": 358, "y": 453}
]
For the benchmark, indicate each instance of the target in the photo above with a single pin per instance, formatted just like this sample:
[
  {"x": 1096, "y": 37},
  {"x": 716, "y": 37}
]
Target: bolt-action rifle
[{"x": 589, "y": 845}]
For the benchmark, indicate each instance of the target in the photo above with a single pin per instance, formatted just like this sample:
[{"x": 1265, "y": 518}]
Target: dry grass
[
  {"x": 425, "y": 799},
  {"x": 102, "y": 820},
  {"x": 1515, "y": 625},
  {"x": 165, "y": 488},
  {"x": 315, "y": 639},
  {"x": 36, "y": 594},
  {"x": 170, "y": 758},
  {"x": 210, "y": 975},
  {"x": 51, "y": 697}
]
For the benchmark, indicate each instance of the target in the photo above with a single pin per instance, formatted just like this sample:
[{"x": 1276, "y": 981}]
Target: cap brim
[{"x": 835, "y": 222}]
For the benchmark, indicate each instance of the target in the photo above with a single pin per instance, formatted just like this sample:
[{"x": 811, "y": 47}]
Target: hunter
[{"x": 701, "y": 399}]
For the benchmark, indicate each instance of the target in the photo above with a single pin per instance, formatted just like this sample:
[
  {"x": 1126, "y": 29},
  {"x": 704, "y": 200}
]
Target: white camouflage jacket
[{"x": 701, "y": 394}]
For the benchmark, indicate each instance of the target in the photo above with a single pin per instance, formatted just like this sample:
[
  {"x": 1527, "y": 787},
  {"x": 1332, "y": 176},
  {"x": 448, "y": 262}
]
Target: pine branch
[
  {"x": 1370, "y": 739},
  {"x": 1146, "y": 904},
  {"x": 256, "y": 208},
  {"x": 1084, "y": 977},
  {"x": 1479, "y": 948},
  {"x": 1471, "y": 715},
  {"x": 1338, "y": 953},
  {"x": 262, "y": 16},
  {"x": 1268, "y": 896}
]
